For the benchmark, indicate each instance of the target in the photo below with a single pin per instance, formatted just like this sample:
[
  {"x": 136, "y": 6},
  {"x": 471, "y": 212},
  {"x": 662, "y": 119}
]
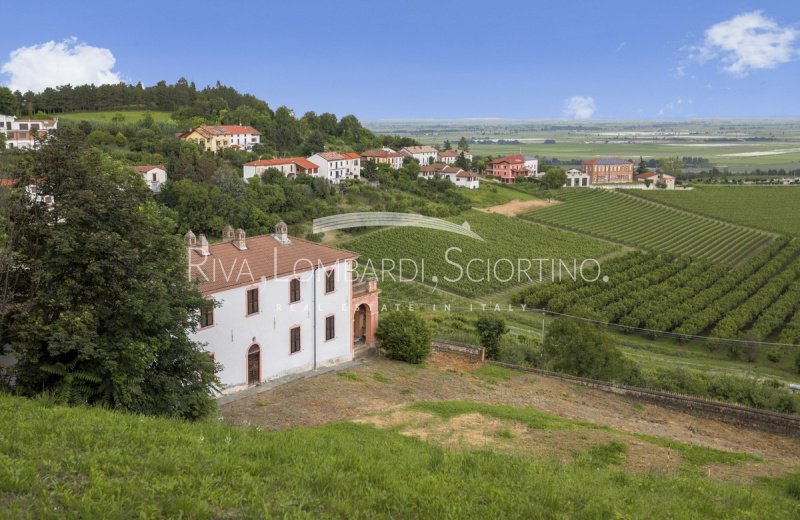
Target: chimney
[
  {"x": 239, "y": 240},
  {"x": 227, "y": 234},
  {"x": 189, "y": 239},
  {"x": 282, "y": 233},
  {"x": 202, "y": 245}
]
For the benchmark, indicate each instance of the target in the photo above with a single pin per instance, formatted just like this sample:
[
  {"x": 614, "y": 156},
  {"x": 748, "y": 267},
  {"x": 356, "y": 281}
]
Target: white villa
[
  {"x": 459, "y": 177},
  {"x": 283, "y": 305},
  {"x": 655, "y": 178},
  {"x": 23, "y": 133},
  {"x": 424, "y": 154},
  {"x": 154, "y": 175},
  {"x": 576, "y": 178},
  {"x": 336, "y": 166},
  {"x": 532, "y": 165},
  {"x": 450, "y": 156}
]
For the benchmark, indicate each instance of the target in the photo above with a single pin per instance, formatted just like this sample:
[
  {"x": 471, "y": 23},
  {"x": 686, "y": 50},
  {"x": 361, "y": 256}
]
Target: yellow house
[{"x": 214, "y": 138}]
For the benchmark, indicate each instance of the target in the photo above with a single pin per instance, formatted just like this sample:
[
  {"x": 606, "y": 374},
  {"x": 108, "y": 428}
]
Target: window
[
  {"x": 294, "y": 340},
  {"x": 294, "y": 290},
  {"x": 206, "y": 317},
  {"x": 330, "y": 327},
  {"x": 330, "y": 280},
  {"x": 252, "y": 301},
  {"x": 155, "y": 178}
]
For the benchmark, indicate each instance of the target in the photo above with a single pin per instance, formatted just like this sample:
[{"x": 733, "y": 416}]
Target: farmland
[
  {"x": 635, "y": 222},
  {"x": 774, "y": 208},
  {"x": 760, "y": 300},
  {"x": 507, "y": 257}
]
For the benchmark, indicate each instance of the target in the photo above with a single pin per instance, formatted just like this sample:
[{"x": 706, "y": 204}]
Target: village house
[
  {"x": 423, "y": 154},
  {"x": 608, "y": 170},
  {"x": 657, "y": 180},
  {"x": 24, "y": 133},
  {"x": 283, "y": 305},
  {"x": 532, "y": 165},
  {"x": 214, "y": 138},
  {"x": 336, "y": 166},
  {"x": 384, "y": 156},
  {"x": 154, "y": 175},
  {"x": 450, "y": 156},
  {"x": 577, "y": 178},
  {"x": 459, "y": 177},
  {"x": 508, "y": 169},
  {"x": 289, "y": 166}
]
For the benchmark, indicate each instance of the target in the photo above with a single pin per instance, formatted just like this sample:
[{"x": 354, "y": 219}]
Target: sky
[{"x": 429, "y": 59}]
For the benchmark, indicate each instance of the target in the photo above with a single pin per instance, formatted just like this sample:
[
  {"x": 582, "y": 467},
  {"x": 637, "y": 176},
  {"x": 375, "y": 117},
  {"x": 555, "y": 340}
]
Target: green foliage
[
  {"x": 554, "y": 178},
  {"x": 493, "y": 373},
  {"x": 582, "y": 349},
  {"x": 603, "y": 454},
  {"x": 491, "y": 329},
  {"x": 404, "y": 335},
  {"x": 531, "y": 417},
  {"x": 590, "y": 212},
  {"x": 101, "y": 312}
]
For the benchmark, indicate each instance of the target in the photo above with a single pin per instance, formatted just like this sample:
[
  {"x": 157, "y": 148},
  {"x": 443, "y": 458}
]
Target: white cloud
[
  {"x": 52, "y": 64},
  {"x": 674, "y": 107},
  {"x": 579, "y": 107},
  {"x": 748, "y": 42}
]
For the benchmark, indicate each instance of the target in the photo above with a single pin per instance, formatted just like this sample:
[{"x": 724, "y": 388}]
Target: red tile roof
[
  {"x": 516, "y": 159},
  {"x": 351, "y": 155},
  {"x": 264, "y": 257},
  {"x": 8, "y": 182},
  {"x": 146, "y": 168},
  {"x": 454, "y": 153},
  {"x": 299, "y": 161},
  {"x": 380, "y": 152},
  {"x": 217, "y": 130}
]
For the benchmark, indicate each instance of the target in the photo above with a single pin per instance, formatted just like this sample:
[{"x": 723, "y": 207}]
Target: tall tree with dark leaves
[
  {"x": 463, "y": 144},
  {"x": 104, "y": 302}
]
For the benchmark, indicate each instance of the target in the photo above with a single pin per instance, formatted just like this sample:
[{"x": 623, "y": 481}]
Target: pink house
[{"x": 508, "y": 168}]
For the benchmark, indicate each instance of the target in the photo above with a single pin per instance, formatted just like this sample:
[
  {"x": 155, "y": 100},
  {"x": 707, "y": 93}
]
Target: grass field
[
  {"x": 505, "y": 258},
  {"x": 130, "y": 116},
  {"x": 774, "y": 208},
  {"x": 635, "y": 222},
  {"x": 101, "y": 464},
  {"x": 491, "y": 194}
]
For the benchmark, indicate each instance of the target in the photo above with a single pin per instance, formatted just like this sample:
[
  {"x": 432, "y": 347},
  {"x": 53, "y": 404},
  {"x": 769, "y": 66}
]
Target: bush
[
  {"x": 404, "y": 335},
  {"x": 582, "y": 349},
  {"x": 491, "y": 330}
]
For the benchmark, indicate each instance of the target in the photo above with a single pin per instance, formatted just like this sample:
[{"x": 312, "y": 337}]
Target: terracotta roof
[
  {"x": 380, "y": 152},
  {"x": 607, "y": 160},
  {"x": 454, "y": 153},
  {"x": 435, "y": 167},
  {"x": 467, "y": 174},
  {"x": 217, "y": 130},
  {"x": 8, "y": 182},
  {"x": 332, "y": 156},
  {"x": 516, "y": 158},
  {"x": 299, "y": 161},
  {"x": 264, "y": 257},
  {"x": 146, "y": 168},
  {"x": 351, "y": 155},
  {"x": 420, "y": 149}
]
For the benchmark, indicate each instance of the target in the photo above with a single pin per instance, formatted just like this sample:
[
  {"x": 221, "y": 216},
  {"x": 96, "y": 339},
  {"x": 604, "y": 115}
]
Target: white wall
[{"x": 233, "y": 333}]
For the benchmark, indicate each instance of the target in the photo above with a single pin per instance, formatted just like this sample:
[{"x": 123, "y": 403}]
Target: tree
[
  {"x": 463, "y": 144},
  {"x": 671, "y": 166},
  {"x": 103, "y": 304},
  {"x": 404, "y": 335},
  {"x": 582, "y": 349},
  {"x": 447, "y": 145},
  {"x": 462, "y": 162},
  {"x": 555, "y": 178},
  {"x": 642, "y": 167},
  {"x": 120, "y": 139},
  {"x": 8, "y": 102},
  {"x": 491, "y": 330}
]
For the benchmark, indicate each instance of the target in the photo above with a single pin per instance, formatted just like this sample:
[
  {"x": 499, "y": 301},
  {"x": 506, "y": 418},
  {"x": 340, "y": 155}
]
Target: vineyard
[
  {"x": 773, "y": 208},
  {"x": 639, "y": 223},
  {"x": 513, "y": 252},
  {"x": 665, "y": 292}
]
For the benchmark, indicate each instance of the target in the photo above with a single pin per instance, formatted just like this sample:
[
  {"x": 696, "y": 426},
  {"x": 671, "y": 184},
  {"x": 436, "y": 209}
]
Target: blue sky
[{"x": 434, "y": 59}]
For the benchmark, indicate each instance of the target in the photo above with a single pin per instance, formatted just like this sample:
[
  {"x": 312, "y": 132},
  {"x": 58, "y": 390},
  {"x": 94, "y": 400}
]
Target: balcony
[{"x": 364, "y": 286}]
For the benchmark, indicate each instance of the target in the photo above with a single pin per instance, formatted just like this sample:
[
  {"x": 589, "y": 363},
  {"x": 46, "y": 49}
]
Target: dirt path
[
  {"x": 514, "y": 207},
  {"x": 380, "y": 385}
]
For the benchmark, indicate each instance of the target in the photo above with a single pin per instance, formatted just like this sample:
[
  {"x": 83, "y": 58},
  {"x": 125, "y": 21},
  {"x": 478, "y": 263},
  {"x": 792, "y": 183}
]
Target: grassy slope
[
  {"x": 90, "y": 463},
  {"x": 773, "y": 208},
  {"x": 131, "y": 116},
  {"x": 490, "y": 194}
]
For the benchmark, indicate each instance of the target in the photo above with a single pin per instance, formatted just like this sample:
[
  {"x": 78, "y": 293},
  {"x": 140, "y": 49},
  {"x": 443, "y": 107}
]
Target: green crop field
[
  {"x": 492, "y": 194},
  {"x": 130, "y": 116},
  {"x": 636, "y": 222},
  {"x": 507, "y": 256},
  {"x": 774, "y": 208},
  {"x": 102, "y": 464}
]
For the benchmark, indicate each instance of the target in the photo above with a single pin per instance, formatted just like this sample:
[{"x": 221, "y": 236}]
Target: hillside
[{"x": 432, "y": 459}]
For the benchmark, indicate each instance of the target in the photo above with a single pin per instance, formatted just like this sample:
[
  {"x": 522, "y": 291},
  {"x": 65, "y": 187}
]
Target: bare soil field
[
  {"x": 379, "y": 391},
  {"x": 514, "y": 207}
]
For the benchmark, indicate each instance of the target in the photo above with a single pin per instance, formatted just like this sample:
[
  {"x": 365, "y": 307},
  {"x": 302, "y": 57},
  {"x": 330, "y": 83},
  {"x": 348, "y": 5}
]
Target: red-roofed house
[
  {"x": 153, "y": 174},
  {"x": 459, "y": 177},
  {"x": 283, "y": 305},
  {"x": 508, "y": 169},
  {"x": 450, "y": 156},
  {"x": 214, "y": 138},
  {"x": 289, "y": 166},
  {"x": 336, "y": 166},
  {"x": 384, "y": 156}
]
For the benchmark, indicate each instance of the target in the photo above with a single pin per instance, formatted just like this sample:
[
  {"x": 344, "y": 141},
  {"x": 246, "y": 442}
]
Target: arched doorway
[
  {"x": 361, "y": 324},
  {"x": 254, "y": 365}
]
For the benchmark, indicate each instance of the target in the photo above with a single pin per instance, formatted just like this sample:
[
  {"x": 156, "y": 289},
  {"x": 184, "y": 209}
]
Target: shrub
[
  {"x": 491, "y": 330},
  {"x": 582, "y": 349},
  {"x": 404, "y": 335}
]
